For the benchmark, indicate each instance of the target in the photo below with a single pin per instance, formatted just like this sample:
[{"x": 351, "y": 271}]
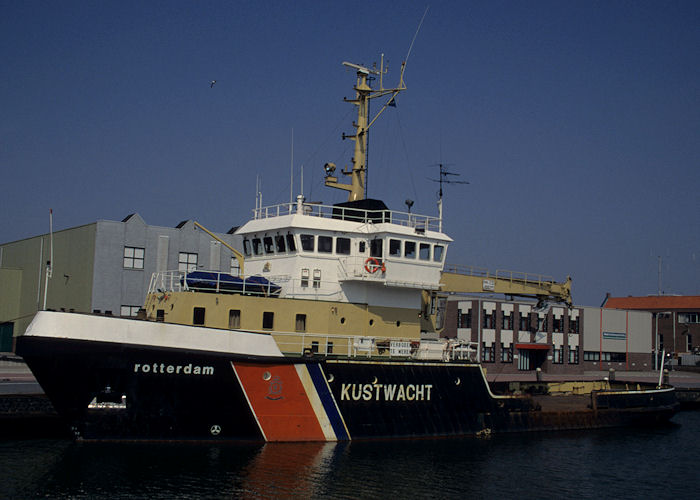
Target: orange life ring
[{"x": 372, "y": 265}]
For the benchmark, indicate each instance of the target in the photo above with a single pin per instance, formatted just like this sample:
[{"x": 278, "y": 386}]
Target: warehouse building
[
  {"x": 104, "y": 267},
  {"x": 675, "y": 321}
]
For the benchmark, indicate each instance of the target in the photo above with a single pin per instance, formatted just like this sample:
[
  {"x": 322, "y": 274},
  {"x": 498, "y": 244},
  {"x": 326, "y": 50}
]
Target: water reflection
[{"x": 618, "y": 462}]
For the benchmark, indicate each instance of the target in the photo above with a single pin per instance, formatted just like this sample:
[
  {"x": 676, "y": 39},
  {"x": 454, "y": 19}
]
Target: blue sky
[{"x": 576, "y": 123}]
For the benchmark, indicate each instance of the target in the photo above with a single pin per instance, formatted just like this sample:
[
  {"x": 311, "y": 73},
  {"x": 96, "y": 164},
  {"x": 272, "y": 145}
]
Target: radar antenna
[{"x": 443, "y": 179}]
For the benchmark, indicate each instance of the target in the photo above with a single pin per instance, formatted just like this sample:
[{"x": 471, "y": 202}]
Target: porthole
[
  {"x": 371, "y": 322},
  {"x": 398, "y": 323},
  {"x": 267, "y": 376},
  {"x": 342, "y": 321}
]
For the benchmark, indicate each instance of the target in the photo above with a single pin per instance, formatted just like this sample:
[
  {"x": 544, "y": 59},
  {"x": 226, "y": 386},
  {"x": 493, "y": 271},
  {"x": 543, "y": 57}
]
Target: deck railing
[
  {"x": 352, "y": 346},
  {"x": 416, "y": 221},
  {"x": 503, "y": 274}
]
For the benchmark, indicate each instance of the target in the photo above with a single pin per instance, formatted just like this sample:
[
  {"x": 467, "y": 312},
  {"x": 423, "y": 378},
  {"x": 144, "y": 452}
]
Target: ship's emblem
[
  {"x": 274, "y": 389},
  {"x": 215, "y": 430}
]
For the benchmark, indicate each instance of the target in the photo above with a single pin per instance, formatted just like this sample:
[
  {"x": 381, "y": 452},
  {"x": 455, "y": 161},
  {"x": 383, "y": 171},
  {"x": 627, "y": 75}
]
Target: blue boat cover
[{"x": 211, "y": 281}]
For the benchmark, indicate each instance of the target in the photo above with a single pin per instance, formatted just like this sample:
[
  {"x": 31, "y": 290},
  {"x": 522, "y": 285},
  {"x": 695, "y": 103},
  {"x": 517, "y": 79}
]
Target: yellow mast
[{"x": 363, "y": 93}]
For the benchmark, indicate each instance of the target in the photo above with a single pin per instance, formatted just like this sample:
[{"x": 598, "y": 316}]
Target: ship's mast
[{"x": 363, "y": 94}]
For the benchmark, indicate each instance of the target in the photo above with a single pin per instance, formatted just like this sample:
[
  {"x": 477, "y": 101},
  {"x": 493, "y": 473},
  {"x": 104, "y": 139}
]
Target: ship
[{"x": 330, "y": 331}]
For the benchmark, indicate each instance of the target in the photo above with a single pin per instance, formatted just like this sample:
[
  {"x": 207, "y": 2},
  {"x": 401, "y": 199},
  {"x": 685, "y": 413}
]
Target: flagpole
[{"x": 49, "y": 263}]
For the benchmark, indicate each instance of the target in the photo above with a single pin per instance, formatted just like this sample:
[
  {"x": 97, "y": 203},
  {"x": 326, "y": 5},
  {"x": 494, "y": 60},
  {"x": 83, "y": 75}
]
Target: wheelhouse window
[
  {"x": 290, "y": 243},
  {"x": 187, "y": 262},
  {"x": 257, "y": 246},
  {"x": 325, "y": 244},
  {"x": 342, "y": 246},
  {"x": 280, "y": 246},
  {"x": 376, "y": 248},
  {"x": 307, "y": 242},
  {"x": 424, "y": 251},
  {"x": 246, "y": 247},
  {"x": 438, "y": 251},
  {"x": 134, "y": 257},
  {"x": 267, "y": 244},
  {"x": 409, "y": 249},
  {"x": 395, "y": 248}
]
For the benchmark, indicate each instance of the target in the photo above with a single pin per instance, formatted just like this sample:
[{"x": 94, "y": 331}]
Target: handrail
[{"x": 408, "y": 219}]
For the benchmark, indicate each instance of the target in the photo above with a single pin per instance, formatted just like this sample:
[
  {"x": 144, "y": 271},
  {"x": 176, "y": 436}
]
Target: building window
[
  {"x": 134, "y": 257},
  {"x": 689, "y": 343},
  {"x": 558, "y": 354},
  {"x": 661, "y": 342},
  {"x": 325, "y": 244},
  {"x": 541, "y": 324},
  {"x": 235, "y": 269},
  {"x": 507, "y": 321},
  {"x": 556, "y": 324},
  {"x": 234, "y": 319},
  {"x": 524, "y": 322},
  {"x": 198, "y": 316},
  {"x": 301, "y": 323},
  {"x": 307, "y": 242},
  {"x": 129, "y": 311},
  {"x": 573, "y": 355},
  {"x": 506, "y": 353},
  {"x": 304, "y": 278},
  {"x": 689, "y": 317},
  {"x": 317, "y": 278},
  {"x": 464, "y": 320},
  {"x": 591, "y": 356},
  {"x": 187, "y": 262},
  {"x": 268, "y": 320},
  {"x": 487, "y": 353},
  {"x": 488, "y": 320},
  {"x": 573, "y": 325},
  {"x": 342, "y": 246}
]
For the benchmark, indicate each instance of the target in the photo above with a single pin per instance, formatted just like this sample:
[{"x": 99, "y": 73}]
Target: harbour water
[{"x": 658, "y": 462}]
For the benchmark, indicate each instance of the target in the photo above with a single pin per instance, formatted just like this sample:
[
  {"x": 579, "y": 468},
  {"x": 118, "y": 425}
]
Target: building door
[
  {"x": 6, "y": 336},
  {"x": 523, "y": 359}
]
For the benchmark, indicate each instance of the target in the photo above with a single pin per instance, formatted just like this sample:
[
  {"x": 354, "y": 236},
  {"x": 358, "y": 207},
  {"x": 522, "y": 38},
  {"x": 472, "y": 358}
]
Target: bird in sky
[{"x": 211, "y": 84}]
